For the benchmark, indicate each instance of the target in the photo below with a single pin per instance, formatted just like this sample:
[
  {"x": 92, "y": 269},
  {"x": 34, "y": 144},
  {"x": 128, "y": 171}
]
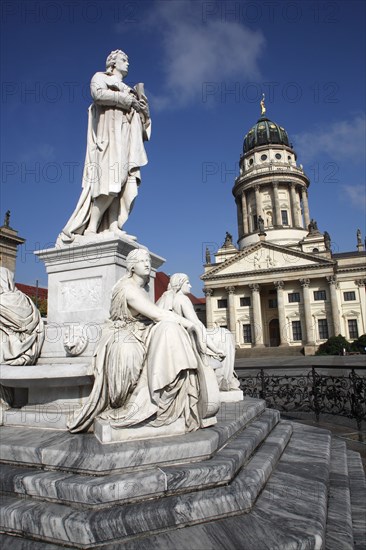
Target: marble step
[
  {"x": 76, "y": 489},
  {"x": 84, "y": 528},
  {"x": 358, "y": 499},
  {"x": 289, "y": 514},
  {"x": 38, "y": 416},
  {"x": 339, "y": 534},
  {"x": 84, "y": 454},
  {"x": 10, "y": 542}
]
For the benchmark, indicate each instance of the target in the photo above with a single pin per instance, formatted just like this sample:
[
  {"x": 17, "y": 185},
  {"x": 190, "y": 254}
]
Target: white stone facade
[{"x": 282, "y": 286}]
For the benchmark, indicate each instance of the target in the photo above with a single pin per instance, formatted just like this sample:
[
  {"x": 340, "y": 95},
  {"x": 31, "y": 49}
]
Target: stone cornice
[
  {"x": 275, "y": 228},
  {"x": 266, "y": 146},
  {"x": 244, "y": 182},
  {"x": 11, "y": 239},
  {"x": 350, "y": 269},
  {"x": 284, "y": 271},
  {"x": 89, "y": 252},
  {"x": 320, "y": 262}
]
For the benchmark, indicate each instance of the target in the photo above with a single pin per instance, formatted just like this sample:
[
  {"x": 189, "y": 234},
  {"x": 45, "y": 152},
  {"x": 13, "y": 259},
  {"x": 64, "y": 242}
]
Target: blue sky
[{"x": 205, "y": 66}]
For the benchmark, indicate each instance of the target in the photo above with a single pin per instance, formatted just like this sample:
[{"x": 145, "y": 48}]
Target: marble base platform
[
  {"x": 84, "y": 454},
  {"x": 105, "y": 433},
  {"x": 231, "y": 396},
  {"x": 51, "y": 392},
  {"x": 266, "y": 484}
]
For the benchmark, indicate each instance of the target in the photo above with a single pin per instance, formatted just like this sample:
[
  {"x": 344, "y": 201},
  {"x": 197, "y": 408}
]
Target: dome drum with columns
[
  {"x": 270, "y": 185},
  {"x": 282, "y": 286}
]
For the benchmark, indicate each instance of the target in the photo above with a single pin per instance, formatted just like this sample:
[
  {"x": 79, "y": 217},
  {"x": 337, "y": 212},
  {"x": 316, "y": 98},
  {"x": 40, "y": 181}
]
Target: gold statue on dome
[{"x": 263, "y": 107}]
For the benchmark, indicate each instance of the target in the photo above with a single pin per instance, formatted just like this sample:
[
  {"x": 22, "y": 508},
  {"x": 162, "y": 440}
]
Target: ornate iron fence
[{"x": 316, "y": 392}]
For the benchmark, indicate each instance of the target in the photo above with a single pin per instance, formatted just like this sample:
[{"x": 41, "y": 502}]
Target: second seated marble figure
[
  {"x": 220, "y": 342},
  {"x": 149, "y": 365}
]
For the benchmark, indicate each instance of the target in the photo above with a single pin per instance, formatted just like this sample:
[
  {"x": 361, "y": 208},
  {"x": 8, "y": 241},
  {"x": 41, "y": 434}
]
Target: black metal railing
[{"x": 315, "y": 391}]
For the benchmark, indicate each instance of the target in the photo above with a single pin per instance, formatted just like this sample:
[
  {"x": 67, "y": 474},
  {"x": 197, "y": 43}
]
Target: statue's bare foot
[
  {"x": 89, "y": 232},
  {"x": 120, "y": 233}
]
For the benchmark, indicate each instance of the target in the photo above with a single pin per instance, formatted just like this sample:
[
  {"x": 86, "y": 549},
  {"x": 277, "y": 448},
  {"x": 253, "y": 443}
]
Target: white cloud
[
  {"x": 356, "y": 195},
  {"x": 196, "y": 52},
  {"x": 42, "y": 152},
  {"x": 341, "y": 140}
]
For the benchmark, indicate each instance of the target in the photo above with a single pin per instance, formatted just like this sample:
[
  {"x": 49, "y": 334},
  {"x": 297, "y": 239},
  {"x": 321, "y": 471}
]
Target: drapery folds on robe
[
  {"x": 114, "y": 154},
  {"x": 21, "y": 325},
  {"x": 144, "y": 371}
]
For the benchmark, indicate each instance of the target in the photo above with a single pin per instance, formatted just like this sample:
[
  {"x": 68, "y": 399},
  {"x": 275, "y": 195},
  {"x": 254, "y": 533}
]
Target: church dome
[{"x": 265, "y": 132}]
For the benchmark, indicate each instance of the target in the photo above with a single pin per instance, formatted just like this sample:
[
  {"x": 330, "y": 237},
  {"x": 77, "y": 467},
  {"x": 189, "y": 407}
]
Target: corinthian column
[
  {"x": 333, "y": 285},
  {"x": 309, "y": 336},
  {"x": 257, "y": 316},
  {"x": 245, "y": 213},
  {"x": 277, "y": 208},
  {"x": 281, "y": 312},
  {"x": 295, "y": 219},
  {"x": 239, "y": 215},
  {"x": 305, "y": 205},
  {"x": 258, "y": 200},
  {"x": 209, "y": 315},
  {"x": 362, "y": 297},
  {"x": 231, "y": 308}
]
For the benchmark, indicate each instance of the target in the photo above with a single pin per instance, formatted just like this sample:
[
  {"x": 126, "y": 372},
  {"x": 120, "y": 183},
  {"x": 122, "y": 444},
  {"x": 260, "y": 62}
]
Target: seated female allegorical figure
[
  {"x": 220, "y": 352},
  {"x": 149, "y": 364}
]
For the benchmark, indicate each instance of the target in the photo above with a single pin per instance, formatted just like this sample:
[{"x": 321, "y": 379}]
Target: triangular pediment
[{"x": 262, "y": 257}]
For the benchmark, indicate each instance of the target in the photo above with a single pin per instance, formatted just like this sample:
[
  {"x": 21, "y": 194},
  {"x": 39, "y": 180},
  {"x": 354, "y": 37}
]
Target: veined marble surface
[
  {"x": 289, "y": 514},
  {"x": 358, "y": 498},
  {"x": 84, "y": 454},
  {"x": 151, "y": 482},
  {"x": 8, "y": 542},
  {"x": 339, "y": 533},
  {"x": 56, "y": 522}
]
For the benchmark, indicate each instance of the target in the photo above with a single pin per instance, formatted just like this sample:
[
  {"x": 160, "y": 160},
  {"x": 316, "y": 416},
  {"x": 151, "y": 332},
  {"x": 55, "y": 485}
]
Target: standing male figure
[{"x": 119, "y": 123}]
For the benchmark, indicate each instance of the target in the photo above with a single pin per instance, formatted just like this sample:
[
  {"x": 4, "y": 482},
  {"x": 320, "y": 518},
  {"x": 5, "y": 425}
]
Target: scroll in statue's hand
[{"x": 144, "y": 108}]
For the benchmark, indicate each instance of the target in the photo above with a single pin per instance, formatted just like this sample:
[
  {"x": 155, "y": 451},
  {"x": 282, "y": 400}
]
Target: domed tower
[{"x": 272, "y": 186}]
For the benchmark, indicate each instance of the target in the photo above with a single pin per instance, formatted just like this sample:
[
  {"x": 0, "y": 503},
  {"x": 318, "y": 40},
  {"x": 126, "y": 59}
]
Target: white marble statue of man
[{"x": 118, "y": 124}]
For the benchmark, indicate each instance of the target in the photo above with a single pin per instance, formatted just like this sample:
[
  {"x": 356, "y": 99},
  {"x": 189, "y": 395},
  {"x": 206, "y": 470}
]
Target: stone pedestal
[{"x": 80, "y": 281}]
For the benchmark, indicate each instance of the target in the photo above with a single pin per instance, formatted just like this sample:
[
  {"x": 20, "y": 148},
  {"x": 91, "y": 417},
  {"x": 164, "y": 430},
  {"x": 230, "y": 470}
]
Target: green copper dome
[{"x": 265, "y": 132}]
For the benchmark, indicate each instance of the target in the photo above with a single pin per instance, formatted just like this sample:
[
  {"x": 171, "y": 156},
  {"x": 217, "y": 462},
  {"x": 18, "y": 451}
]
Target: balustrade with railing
[{"x": 316, "y": 391}]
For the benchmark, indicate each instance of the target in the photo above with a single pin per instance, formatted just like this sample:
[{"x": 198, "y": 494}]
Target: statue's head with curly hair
[{"x": 112, "y": 58}]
